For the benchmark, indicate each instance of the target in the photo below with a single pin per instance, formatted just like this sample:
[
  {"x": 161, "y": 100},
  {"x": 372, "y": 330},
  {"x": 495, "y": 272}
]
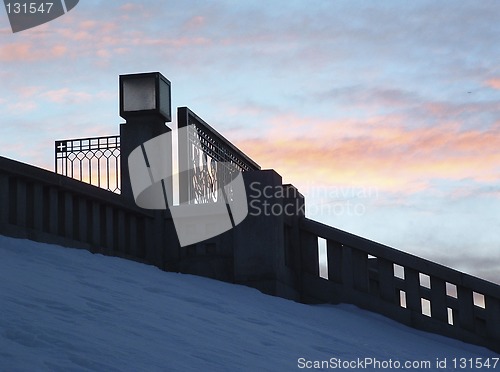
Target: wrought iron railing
[
  {"x": 93, "y": 160},
  {"x": 207, "y": 160}
]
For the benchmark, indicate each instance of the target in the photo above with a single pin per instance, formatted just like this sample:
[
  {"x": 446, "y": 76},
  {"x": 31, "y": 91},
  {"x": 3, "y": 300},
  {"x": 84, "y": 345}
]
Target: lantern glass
[
  {"x": 165, "y": 102},
  {"x": 139, "y": 94}
]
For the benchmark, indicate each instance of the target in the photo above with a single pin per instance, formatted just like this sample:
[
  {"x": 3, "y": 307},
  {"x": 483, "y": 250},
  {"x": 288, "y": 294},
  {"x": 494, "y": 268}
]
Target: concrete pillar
[
  {"x": 133, "y": 134},
  {"x": 259, "y": 239}
]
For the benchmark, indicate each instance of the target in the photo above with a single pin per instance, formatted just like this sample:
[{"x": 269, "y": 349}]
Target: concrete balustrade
[{"x": 368, "y": 274}]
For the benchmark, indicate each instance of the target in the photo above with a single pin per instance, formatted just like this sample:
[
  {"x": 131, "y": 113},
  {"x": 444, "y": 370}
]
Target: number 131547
[{"x": 28, "y": 8}]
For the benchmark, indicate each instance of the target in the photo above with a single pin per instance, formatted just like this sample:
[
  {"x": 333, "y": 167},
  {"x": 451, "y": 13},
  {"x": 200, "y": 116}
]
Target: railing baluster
[
  {"x": 68, "y": 217},
  {"x": 438, "y": 299},
  {"x": 386, "y": 280},
  {"x": 96, "y": 225},
  {"x": 412, "y": 286},
  {"x": 309, "y": 253},
  {"x": 21, "y": 206},
  {"x": 492, "y": 306},
  {"x": 4, "y": 199},
  {"x": 83, "y": 233},
  {"x": 334, "y": 253},
  {"x": 465, "y": 308},
  {"x": 133, "y": 242},
  {"x": 109, "y": 238},
  {"x": 347, "y": 274},
  {"x": 52, "y": 210},
  {"x": 38, "y": 206},
  {"x": 121, "y": 233},
  {"x": 360, "y": 270}
]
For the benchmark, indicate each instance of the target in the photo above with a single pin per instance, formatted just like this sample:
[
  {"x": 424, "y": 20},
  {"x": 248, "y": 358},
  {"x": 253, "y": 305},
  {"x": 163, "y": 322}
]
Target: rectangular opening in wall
[
  {"x": 426, "y": 307},
  {"x": 402, "y": 299},
  {"x": 425, "y": 280},
  {"x": 399, "y": 271},
  {"x": 323, "y": 258},
  {"x": 450, "y": 316},
  {"x": 479, "y": 300},
  {"x": 451, "y": 290}
]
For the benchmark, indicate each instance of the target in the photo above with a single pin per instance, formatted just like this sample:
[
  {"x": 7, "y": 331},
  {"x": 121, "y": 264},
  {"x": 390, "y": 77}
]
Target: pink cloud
[
  {"x": 384, "y": 156},
  {"x": 24, "y": 106},
  {"x": 65, "y": 95},
  {"x": 493, "y": 83},
  {"x": 16, "y": 52},
  {"x": 29, "y": 52},
  {"x": 28, "y": 91},
  {"x": 129, "y": 7},
  {"x": 59, "y": 50},
  {"x": 194, "y": 23}
]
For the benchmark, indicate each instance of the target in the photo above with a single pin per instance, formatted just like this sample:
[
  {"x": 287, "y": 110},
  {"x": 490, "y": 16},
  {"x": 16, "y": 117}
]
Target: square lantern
[{"x": 145, "y": 94}]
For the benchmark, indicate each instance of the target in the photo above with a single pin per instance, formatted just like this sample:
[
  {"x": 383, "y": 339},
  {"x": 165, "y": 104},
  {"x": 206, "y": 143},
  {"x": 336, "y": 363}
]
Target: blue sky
[{"x": 386, "y": 114}]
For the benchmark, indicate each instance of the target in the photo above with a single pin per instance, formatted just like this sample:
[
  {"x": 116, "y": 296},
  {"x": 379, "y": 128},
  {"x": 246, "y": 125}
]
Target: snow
[{"x": 64, "y": 309}]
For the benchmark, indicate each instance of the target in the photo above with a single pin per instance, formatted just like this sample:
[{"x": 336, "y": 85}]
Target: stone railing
[
  {"x": 40, "y": 205},
  {"x": 409, "y": 289}
]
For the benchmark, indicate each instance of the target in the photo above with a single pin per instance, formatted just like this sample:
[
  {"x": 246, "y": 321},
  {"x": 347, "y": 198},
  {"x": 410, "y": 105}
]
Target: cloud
[
  {"x": 130, "y": 7},
  {"x": 30, "y": 52},
  {"x": 391, "y": 157},
  {"x": 68, "y": 96},
  {"x": 17, "y": 52},
  {"x": 195, "y": 23},
  {"x": 22, "y": 107},
  {"x": 493, "y": 83}
]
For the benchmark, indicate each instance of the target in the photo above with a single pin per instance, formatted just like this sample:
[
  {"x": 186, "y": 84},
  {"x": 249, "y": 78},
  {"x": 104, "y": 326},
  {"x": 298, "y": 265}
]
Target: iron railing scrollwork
[
  {"x": 208, "y": 160},
  {"x": 93, "y": 160}
]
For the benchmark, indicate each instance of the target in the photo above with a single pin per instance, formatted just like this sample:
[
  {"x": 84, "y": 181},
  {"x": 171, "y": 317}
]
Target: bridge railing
[
  {"x": 412, "y": 290},
  {"x": 94, "y": 160},
  {"x": 40, "y": 205},
  {"x": 202, "y": 152}
]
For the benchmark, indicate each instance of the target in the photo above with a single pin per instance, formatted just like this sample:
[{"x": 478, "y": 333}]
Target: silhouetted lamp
[
  {"x": 145, "y": 94},
  {"x": 145, "y": 104}
]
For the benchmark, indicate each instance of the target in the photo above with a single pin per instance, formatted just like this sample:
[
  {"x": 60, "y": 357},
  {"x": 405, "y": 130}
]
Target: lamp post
[{"x": 145, "y": 104}]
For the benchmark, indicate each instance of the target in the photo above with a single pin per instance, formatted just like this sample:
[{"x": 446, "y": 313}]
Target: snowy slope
[{"x": 69, "y": 310}]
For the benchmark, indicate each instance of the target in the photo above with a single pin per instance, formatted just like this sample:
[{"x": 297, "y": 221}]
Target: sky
[
  {"x": 86, "y": 312},
  {"x": 385, "y": 115}
]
